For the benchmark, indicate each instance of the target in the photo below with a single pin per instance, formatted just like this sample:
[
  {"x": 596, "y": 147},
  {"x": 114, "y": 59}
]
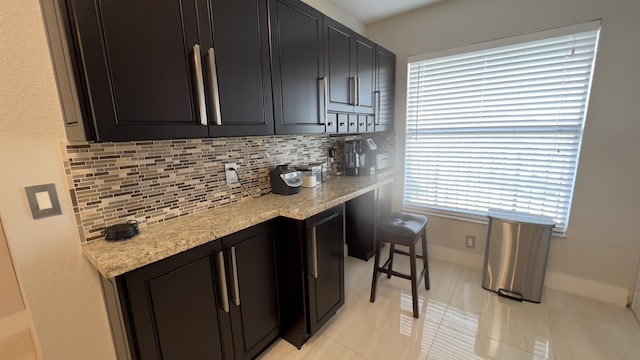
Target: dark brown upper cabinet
[
  {"x": 341, "y": 84},
  {"x": 385, "y": 89},
  {"x": 140, "y": 66},
  {"x": 350, "y": 64},
  {"x": 240, "y": 30},
  {"x": 167, "y": 69},
  {"x": 170, "y": 69},
  {"x": 364, "y": 71},
  {"x": 299, "y": 83}
]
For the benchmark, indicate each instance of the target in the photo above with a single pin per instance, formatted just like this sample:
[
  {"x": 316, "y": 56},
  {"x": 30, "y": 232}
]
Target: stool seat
[
  {"x": 402, "y": 229},
  {"x": 403, "y": 225}
]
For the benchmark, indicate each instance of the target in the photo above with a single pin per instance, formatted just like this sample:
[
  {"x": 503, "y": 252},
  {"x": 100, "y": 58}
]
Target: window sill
[{"x": 467, "y": 217}]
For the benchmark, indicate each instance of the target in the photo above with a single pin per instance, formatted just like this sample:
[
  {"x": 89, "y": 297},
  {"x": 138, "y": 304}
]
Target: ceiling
[{"x": 369, "y": 11}]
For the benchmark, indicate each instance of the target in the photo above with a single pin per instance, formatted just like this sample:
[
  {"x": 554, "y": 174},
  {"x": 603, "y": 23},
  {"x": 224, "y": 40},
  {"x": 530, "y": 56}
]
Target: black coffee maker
[{"x": 355, "y": 153}]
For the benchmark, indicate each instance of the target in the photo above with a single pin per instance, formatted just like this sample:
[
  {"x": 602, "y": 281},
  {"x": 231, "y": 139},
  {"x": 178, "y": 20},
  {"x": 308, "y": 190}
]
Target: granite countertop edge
[{"x": 159, "y": 241}]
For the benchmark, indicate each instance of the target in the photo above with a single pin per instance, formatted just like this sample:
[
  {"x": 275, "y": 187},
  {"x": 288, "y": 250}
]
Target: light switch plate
[{"x": 43, "y": 200}]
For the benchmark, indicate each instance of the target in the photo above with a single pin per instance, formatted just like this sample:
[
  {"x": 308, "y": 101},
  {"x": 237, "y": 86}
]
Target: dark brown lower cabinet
[
  {"x": 312, "y": 273},
  {"x": 216, "y": 301},
  {"x": 362, "y": 216},
  {"x": 253, "y": 288}
]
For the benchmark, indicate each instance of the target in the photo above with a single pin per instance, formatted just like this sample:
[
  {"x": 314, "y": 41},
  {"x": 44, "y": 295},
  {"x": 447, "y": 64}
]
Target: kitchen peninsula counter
[{"x": 160, "y": 241}]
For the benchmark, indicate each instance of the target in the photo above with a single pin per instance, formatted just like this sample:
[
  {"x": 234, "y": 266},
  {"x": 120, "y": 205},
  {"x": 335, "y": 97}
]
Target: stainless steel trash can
[{"x": 515, "y": 258}]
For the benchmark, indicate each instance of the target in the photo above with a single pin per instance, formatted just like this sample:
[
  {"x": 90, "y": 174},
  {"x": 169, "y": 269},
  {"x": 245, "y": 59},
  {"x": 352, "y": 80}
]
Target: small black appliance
[
  {"x": 121, "y": 231},
  {"x": 285, "y": 180},
  {"x": 356, "y": 154}
]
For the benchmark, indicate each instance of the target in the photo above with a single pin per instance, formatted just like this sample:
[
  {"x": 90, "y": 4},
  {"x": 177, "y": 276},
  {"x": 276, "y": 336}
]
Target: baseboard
[
  {"x": 590, "y": 289},
  {"x": 462, "y": 258}
]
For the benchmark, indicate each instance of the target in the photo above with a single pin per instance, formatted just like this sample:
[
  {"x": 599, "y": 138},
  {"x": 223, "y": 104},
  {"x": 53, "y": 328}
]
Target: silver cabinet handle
[
  {"x": 354, "y": 91},
  {"x": 197, "y": 64},
  {"x": 213, "y": 79},
  {"x": 222, "y": 278},
  {"x": 357, "y": 91},
  {"x": 376, "y": 113},
  {"x": 234, "y": 270},
  {"x": 325, "y": 113},
  {"x": 314, "y": 253}
]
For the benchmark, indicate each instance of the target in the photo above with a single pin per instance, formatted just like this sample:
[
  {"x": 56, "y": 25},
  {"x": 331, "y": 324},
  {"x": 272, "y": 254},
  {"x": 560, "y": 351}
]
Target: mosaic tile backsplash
[{"x": 155, "y": 181}]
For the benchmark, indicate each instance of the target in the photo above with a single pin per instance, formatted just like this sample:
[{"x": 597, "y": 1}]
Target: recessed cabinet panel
[
  {"x": 179, "y": 298},
  {"x": 149, "y": 73},
  {"x": 341, "y": 83},
  {"x": 298, "y": 68}
]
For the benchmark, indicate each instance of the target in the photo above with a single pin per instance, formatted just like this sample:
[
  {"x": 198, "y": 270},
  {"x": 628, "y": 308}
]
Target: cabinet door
[
  {"x": 385, "y": 89},
  {"x": 241, "y": 47},
  {"x": 253, "y": 289},
  {"x": 365, "y": 71},
  {"x": 173, "y": 311},
  {"x": 297, "y": 68},
  {"x": 338, "y": 57},
  {"x": 325, "y": 263},
  {"x": 384, "y": 200},
  {"x": 360, "y": 223},
  {"x": 141, "y": 76}
]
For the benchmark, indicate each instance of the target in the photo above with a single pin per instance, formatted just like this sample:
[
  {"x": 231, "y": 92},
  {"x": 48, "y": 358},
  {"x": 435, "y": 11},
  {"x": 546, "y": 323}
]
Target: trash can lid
[{"x": 521, "y": 217}]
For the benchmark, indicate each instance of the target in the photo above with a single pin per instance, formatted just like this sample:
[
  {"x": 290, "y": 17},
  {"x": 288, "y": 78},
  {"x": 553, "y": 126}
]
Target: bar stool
[{"x": 402, "y": 229}]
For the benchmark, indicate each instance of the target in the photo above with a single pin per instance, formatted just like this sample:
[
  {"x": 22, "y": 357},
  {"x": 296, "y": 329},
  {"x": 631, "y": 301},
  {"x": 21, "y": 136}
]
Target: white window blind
[{"x": 499, "y": 128}]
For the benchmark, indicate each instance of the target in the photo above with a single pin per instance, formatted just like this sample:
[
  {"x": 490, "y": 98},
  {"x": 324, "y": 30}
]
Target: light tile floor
[{"x": 460, "y": 320}]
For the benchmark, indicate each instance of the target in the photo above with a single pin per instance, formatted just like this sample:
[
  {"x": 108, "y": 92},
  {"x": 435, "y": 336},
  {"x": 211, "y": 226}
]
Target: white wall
[
  {"x": 335, "y": 12},
  {"x": 602, "y": 244},
  {"x": 60, "y": 286},
  {"x": 635, "y": 305}
]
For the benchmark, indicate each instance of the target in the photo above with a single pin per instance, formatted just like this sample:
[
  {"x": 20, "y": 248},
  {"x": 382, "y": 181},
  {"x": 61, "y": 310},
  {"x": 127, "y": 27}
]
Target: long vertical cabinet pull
[
  {"x": 222, "y": 278},
  {"x": 357, "y": 91},
  {"x": 376, "y": 114},
  {"x": 234, "y": 270},
  {"x": 325, "y": 102},
  {"x": 352, "y": 90},
  {"x": 314, "y": 253},
  {"x": 197, "y": 64},
  {"x": 215, "y": 93}
]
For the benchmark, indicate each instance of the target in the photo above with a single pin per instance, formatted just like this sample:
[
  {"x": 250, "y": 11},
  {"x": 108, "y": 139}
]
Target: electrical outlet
[
  {"x": 231, "y": 175},
  {"x": 470, "y": 242}
]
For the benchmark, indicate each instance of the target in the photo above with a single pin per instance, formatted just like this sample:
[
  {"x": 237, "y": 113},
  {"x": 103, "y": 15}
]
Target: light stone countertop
[{"x": 159, "y": 241}]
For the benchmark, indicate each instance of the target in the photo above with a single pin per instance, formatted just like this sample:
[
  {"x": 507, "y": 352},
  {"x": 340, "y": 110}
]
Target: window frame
[{"x": 479, "y": 216}]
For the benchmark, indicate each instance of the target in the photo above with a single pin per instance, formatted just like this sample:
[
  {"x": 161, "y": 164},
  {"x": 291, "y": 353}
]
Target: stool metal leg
[
  {"x": 392, "y": 250},
  {"x": 414, "y": 276},
  {"x": 376, "y": 265},
  {"x": 425, "y": 260}
]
